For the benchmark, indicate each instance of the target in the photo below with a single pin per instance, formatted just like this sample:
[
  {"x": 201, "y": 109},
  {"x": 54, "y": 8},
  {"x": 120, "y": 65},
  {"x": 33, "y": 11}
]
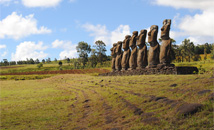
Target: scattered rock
[
  {"x": 151, "y": 120},
  {"x": 211, "y": 96},
  {"x": 169, "y": 101},
  {"x": 159, "y": 98},
  {"x": 188, "y": 109},
  {"x": 101, "y": 81},
  {"x": 203, "y": 92},
  {"x": 138, "y": 111},
  {"x": 96, "y": 83},
  {"x": 109, "y": 119},
  {"x": 173, "y": 85},
  {"x": 87, "y": 100},
  {"x": 72, "y": 105},
  {"x": 147, "y": 115},
  {"x": 86, "y": 106},
  {"x": 115, "y": 129},
  {"x": 109, "y": 81}
]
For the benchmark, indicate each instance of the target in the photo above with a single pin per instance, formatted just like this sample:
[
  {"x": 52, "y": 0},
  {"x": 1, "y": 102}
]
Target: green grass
[
  {"x": 23, "y": 77},
  {"x": 75, "y": 101},
  {"x": 59, "y": 102}
]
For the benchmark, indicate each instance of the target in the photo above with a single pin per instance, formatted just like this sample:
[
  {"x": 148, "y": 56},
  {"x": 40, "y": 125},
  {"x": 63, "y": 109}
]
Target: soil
[{"x": 75, "y": 71}]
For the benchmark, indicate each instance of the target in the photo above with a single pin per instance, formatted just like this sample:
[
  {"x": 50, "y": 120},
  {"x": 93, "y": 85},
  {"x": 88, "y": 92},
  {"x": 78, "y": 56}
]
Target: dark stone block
[{"x": 186, "y": 70}]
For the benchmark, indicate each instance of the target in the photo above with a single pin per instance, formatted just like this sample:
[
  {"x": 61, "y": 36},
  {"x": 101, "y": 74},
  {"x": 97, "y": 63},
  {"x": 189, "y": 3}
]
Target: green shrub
[{"x": 40, "y": 65}]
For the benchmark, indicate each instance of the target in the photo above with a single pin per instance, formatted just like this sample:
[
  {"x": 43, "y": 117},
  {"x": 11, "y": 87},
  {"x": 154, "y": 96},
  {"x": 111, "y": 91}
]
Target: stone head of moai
[
  {"x": 113, "y": 49},
  {"x": 126, "y": 42},
  {"x": 141, "y": 38},
  {"x": 165, "y": 29},
  {"x": 152, "y": 35},
  {"x": 119, "y": 47},
  {"x": 133, "y": 39}
]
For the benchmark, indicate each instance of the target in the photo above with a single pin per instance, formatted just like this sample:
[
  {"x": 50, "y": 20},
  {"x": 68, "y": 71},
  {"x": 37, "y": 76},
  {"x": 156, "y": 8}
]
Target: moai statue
[
  {"x": 133, "y": 57},
  {"x": 126, "y": 53},
  {"x": 154, "y": 50},
  {"x": 119, "y": 54},
  {"x": 113, "y": 54},
  {"x": 166, "y": 44},
  {"x": 142, "y": 61}
]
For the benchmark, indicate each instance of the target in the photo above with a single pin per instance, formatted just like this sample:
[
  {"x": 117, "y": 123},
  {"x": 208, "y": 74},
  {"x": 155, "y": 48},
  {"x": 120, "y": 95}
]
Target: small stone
[
  {"x": 101, "y": 80},
  {"x": 173, "y": 85},
  {"x": 203, "y": 92}
]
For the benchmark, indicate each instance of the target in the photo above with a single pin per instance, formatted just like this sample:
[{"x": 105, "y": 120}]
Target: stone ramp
[{"x": 151, "y": 71}]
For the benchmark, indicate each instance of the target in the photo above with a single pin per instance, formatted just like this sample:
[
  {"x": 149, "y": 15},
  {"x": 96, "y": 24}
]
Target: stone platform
[{"x": 151, "y": 71}]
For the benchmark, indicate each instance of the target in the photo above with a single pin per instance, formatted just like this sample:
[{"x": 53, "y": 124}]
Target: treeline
[
  {"x": 5, "y": 62},
  {"x": 187, "y": 51},
  {"x": 97, "y": 58}
]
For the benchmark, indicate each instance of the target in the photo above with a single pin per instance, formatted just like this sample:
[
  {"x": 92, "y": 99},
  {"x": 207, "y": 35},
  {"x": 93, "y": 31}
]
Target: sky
[{"x": 53, "y": 28}]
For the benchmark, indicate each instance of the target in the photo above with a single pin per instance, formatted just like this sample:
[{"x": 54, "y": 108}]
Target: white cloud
[
  {"x": 5, "y": 2},
  {"x": 200, "y": 24},
  {"x": 100, "y": 32},
  {"x": 41, "y": 3},
  {"x": 189, "y": 4},
  {"x": 2, "y": 46},
  {"x": 198, "y": 27},
  {"x": 3, "y": 49},
  {"x": 69, "y": 49},
  {"x": 29, "y": 49},
  {"x": 16, "y": 27},
  {"x": 4, "y": 54}
]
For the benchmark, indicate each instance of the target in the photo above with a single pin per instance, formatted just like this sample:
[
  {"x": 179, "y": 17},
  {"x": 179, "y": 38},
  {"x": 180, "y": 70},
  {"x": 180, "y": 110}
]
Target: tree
[
  {"x": 6, "y": 62},
  {"x": 93, "y": 58},
  {"x": 39, "y": 65},
  {"x": 31, "y": 61},
  {"x": 187, "y": 49},
  {"x": 212, "y": 52},
  {"x": 37, "y": 61},
  {"x": 43, "y": 61},
  {"x": 100, "y": 47},
  {"x": 83, "y": 49},
  {"x": 68, "y": 60},
  {"x": 60, "y": 63},
  {"x": 205, "y": 52},
  {"x": 48, "y": 60}
]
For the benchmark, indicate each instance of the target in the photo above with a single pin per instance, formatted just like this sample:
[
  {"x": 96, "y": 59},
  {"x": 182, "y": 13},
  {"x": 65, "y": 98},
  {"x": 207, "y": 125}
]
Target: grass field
[
  {"x": 76, "y": 101},
  {"x": 88, "y": 101}
]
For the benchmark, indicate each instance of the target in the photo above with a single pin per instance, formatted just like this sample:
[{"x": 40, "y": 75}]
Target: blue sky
[{"x": 53, "y": 28}]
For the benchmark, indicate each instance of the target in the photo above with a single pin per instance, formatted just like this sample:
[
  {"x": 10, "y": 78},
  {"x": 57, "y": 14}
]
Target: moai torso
[
  {"x": 166, "y": 43},
  {"x": 119, "y": 56},
  {"x": 113, "y": 54},
  {"x": 142, "y": 61},
  {"x": 133, "y": 57},
  {"x": 126, "y": 53},
  {"x": 154, "y": 50}
]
